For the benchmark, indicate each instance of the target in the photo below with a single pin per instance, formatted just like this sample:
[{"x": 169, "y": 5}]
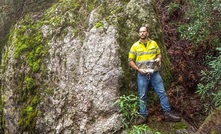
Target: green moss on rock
[{"x": 29, "y": 50}]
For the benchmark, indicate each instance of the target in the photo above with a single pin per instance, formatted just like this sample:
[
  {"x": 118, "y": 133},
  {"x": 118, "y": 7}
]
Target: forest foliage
[{"x": 203, "y": 29}]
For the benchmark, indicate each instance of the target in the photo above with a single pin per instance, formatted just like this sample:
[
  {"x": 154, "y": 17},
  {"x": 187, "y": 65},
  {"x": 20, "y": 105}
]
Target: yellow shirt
[{"x": 144, "y": 54}]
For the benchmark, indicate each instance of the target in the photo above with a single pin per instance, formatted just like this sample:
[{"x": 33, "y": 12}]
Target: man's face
[{"x": 143, "y": 34}]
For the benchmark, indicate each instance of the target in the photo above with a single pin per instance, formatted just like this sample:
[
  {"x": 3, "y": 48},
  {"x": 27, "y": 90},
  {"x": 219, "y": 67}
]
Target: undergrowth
[{"x": 203, "y": 28}]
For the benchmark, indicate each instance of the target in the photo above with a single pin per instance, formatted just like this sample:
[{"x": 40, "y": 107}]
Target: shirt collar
[{"x": 142, "y": 42}]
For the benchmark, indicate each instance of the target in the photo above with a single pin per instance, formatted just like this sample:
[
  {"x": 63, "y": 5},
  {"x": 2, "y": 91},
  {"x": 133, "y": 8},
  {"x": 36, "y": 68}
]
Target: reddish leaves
[{"x": 186, "y": 62}]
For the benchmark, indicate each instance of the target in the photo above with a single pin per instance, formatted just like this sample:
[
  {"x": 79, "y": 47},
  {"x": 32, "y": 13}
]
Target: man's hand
[
  {"x": 141, "y": 71},
  {"x": 158, "y": 61}
]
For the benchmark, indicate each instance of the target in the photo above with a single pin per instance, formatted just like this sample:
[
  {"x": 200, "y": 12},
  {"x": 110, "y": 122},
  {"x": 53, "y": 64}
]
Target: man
[{"x": 145, "y": 57}]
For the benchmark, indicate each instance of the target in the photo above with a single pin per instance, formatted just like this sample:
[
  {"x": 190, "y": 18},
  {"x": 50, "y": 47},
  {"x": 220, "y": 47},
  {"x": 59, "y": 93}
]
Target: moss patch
[
  {"x": 163, "y": 127},
  {"x": 30, "y": 49}
]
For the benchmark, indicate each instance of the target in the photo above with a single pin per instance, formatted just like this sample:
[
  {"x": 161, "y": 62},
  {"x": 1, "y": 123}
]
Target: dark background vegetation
[{"x": 192, "y": 36}]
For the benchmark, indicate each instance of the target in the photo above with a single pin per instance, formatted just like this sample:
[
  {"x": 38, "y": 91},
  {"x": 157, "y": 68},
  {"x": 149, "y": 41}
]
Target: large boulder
[{"x": 64, "y": 67}]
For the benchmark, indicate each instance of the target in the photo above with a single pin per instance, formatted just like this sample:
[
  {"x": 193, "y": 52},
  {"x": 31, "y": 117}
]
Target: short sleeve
[
  {"x": 132, "y": 53},
  {"x": 157, "y": 47}
]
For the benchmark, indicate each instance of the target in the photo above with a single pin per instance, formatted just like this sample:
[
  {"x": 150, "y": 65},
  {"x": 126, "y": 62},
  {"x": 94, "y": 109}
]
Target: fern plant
[
  {"x": 210, "y": 86},
  {"x": 128, "y": 107},
  {"x": 140, "y": 129}
]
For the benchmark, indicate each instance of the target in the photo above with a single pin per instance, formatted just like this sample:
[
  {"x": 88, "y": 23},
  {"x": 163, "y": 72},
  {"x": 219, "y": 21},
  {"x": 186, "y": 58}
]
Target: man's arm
[
  {"x": 133, "y": 65},
  {"x": 158, "y": 59}
]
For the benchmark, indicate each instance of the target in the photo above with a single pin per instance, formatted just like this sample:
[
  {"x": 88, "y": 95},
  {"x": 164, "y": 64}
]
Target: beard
[{"x": 143, "y": 37}]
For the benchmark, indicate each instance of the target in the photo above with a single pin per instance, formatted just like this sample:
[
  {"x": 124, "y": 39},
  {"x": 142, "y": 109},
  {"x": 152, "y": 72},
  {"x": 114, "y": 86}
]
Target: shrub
[
  {"x": 203, "y": 27},
  {"x": 210, "y": 86},
  {"x": 128, "y": 107}
]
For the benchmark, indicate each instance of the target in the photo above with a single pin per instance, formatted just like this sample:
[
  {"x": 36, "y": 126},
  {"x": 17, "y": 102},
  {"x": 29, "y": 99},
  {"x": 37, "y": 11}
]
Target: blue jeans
[{"x": 156, "y": 82}]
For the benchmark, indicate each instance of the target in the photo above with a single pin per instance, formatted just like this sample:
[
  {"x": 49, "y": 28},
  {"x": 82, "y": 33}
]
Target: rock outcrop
[{"x": 64, "y": 67}]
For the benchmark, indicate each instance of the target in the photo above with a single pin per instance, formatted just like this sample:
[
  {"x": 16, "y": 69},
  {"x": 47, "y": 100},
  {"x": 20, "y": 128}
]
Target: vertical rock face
[
  {"x": 5, "y": 10},
  {"x": 81, "y": 73},
  {"x": 212, "y": 123},
  {"x": 87, "y": 82}
]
